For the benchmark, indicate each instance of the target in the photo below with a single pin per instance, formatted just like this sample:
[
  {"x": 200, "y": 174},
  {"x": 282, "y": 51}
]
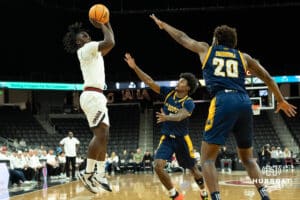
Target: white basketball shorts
[{"x": 94, "y": 107}]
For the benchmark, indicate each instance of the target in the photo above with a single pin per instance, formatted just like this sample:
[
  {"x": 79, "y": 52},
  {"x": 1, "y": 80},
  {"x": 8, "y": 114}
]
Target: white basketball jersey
[{"x": 92, "y": 65}]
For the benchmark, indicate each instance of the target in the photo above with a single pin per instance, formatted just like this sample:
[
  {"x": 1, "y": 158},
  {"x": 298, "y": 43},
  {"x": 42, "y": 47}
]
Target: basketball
[{"x": 99, "y": 13}]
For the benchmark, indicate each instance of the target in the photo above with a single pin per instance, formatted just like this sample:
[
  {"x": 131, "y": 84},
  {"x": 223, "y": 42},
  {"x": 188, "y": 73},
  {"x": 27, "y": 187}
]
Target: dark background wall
[{"x": 32, "y": 31}]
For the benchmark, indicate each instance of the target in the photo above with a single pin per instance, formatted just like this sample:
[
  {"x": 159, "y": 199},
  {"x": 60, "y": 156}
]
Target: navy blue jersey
[
  {"x": 224, "y": 68},
  {"x": 171, "y": 106}
]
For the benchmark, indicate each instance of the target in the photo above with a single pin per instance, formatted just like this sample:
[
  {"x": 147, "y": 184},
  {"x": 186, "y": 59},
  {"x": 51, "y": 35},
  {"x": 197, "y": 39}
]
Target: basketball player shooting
[
  {"x": 92, "y": 101},
  {"x": 224, "y": 69}
]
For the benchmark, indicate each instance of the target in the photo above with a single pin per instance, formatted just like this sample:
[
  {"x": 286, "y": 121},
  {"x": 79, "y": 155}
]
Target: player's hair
[
  {"x": 191, "y": 80},
  {"x": 69, "y": 39},
  {"x": 226, "y": 36}
]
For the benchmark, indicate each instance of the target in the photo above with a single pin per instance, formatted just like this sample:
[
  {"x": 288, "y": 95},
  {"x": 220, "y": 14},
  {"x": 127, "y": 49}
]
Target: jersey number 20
[{"x": 230, "y": 65}]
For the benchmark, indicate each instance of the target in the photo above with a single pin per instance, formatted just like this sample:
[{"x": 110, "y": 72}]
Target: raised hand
[
  {"x": 130, "y": 61},
  {"x": 288, "y": 109},
  {"x": 157, "y": 21}
]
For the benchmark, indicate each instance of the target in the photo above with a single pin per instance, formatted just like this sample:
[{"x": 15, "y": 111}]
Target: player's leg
[
  {"x": 209, "y": 153},
  {"x": 101, "y": 135},
  {"x": 94, "y": 106},
  {"x": 219, "y": 123},
  {"x": 164, "y": 152},
  {"x": 186, "y": 158},
  {"x": 243, "y": 132},
  {"x": 254, "y": 172}
]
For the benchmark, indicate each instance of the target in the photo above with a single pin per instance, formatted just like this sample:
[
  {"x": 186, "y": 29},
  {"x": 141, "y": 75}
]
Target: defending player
[
  {"x": 230, "y": 110},
  {"x": 177, "y": 108}
]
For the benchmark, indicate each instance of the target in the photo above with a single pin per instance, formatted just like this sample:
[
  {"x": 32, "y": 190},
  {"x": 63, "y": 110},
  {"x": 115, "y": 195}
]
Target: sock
[
  {"x": 215, "y": 196},
  {"x": 172, "y": 192},
  {"x": 90, "y": 165},
  {"x": 263, "y": 193},
  {"x": 101, "y": 168},
  {"x": 200, "y": 183}
]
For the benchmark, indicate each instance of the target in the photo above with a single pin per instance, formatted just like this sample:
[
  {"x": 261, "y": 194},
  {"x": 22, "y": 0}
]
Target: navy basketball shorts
[
  {"x": 230, "y": 112},
  {"x": 182, "y": 146}
]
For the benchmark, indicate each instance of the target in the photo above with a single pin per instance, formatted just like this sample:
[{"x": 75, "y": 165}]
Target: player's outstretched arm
[
  {"x": 179, "y": 116},
  {"x": 109, "y": 40},
  {"x": 142, "y": 75},
  {"x": 181, "y": 37},
  {"x": 256, "y": 69}
]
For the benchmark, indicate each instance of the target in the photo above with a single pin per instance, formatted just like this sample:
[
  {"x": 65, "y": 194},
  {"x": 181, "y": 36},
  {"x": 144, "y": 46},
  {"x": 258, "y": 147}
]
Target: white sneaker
[
  {"x": 103, "y": 182},
  {"x": 88, "y": 181}
]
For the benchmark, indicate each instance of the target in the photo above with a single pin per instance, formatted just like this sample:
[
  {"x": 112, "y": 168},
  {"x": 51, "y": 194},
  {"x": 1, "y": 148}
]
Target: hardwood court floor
[{"x": 234, "y": 186}]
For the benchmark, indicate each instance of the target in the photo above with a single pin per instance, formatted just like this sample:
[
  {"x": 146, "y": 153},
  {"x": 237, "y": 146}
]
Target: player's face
[
  {"x": 82, "y": 38},
  {"x": 182, "y": 85}
]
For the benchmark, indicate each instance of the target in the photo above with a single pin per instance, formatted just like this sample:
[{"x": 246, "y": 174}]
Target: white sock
[
  {"x": 101, "y": 168},
  {"x": 90, "y": 165},
  {"x": 172, "y": 192}
]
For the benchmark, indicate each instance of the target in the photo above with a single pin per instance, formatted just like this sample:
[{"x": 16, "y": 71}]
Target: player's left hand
[
  {"x": 288, "y": 109},
  {"x": 161, "y": 116},
  {"x": 96, "y": 24}
]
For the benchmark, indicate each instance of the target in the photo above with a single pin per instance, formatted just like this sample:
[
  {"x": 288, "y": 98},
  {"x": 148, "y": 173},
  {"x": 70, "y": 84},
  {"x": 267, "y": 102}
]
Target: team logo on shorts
[{"x": 98, "y": 114}]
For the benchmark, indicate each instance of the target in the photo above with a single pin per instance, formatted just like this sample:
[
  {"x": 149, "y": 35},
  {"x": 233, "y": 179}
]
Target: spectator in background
[
  {"x": 113, "y": 163},
  {"x": 138, "y": 160},
  {"x": 52, "y": 164},
  {"x": 287, "y": 154},
  {"x": 124, "y": 160},
  {"x": 174, "y": 165},
  {"x": 147, "y": 161},
  {"x": 35, "y": 164},
  {"x": 225, "y": 159},
  {"x": 62, "y": 163},
  {"x": 266, "y": 155},
  {"x": 274, "y": 156},
  {"x": 15, "y": 176},
  {"x": 127, "y": 95},
  {"x": 280, "y": 159},
  {"x": 16, "y": 143},
  {"x": 70, "y": 147},
  {"x": 22, "y": 143}
]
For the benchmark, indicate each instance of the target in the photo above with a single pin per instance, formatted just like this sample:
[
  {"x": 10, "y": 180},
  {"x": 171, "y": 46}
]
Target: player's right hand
[
  {"x": 157, "y": 21},
  {"x": 288, "y": 109},
  {"x": 130, "y": 61}
]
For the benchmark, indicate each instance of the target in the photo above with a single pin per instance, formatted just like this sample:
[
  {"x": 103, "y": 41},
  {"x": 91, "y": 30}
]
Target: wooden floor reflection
[{"x": 147, "y": 187}]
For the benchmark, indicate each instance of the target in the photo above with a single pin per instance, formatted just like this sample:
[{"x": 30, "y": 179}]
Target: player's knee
[
  {"x": 207, "y": 162},
  {"x": 159, "y": 165}
]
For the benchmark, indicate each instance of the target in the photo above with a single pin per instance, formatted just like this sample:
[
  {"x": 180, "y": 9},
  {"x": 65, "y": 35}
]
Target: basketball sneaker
[
  {"x": 178, "y": 196},
  {"x": 103, "y": 182},
  {"x": 203, "y": 195},
  {"x": 88, "y": 181}
]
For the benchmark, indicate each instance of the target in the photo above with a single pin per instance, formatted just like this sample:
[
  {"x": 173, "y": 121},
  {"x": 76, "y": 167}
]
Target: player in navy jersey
[
  {"x": 174, "y": 114},
  {"x": 224, "y": 69}
]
